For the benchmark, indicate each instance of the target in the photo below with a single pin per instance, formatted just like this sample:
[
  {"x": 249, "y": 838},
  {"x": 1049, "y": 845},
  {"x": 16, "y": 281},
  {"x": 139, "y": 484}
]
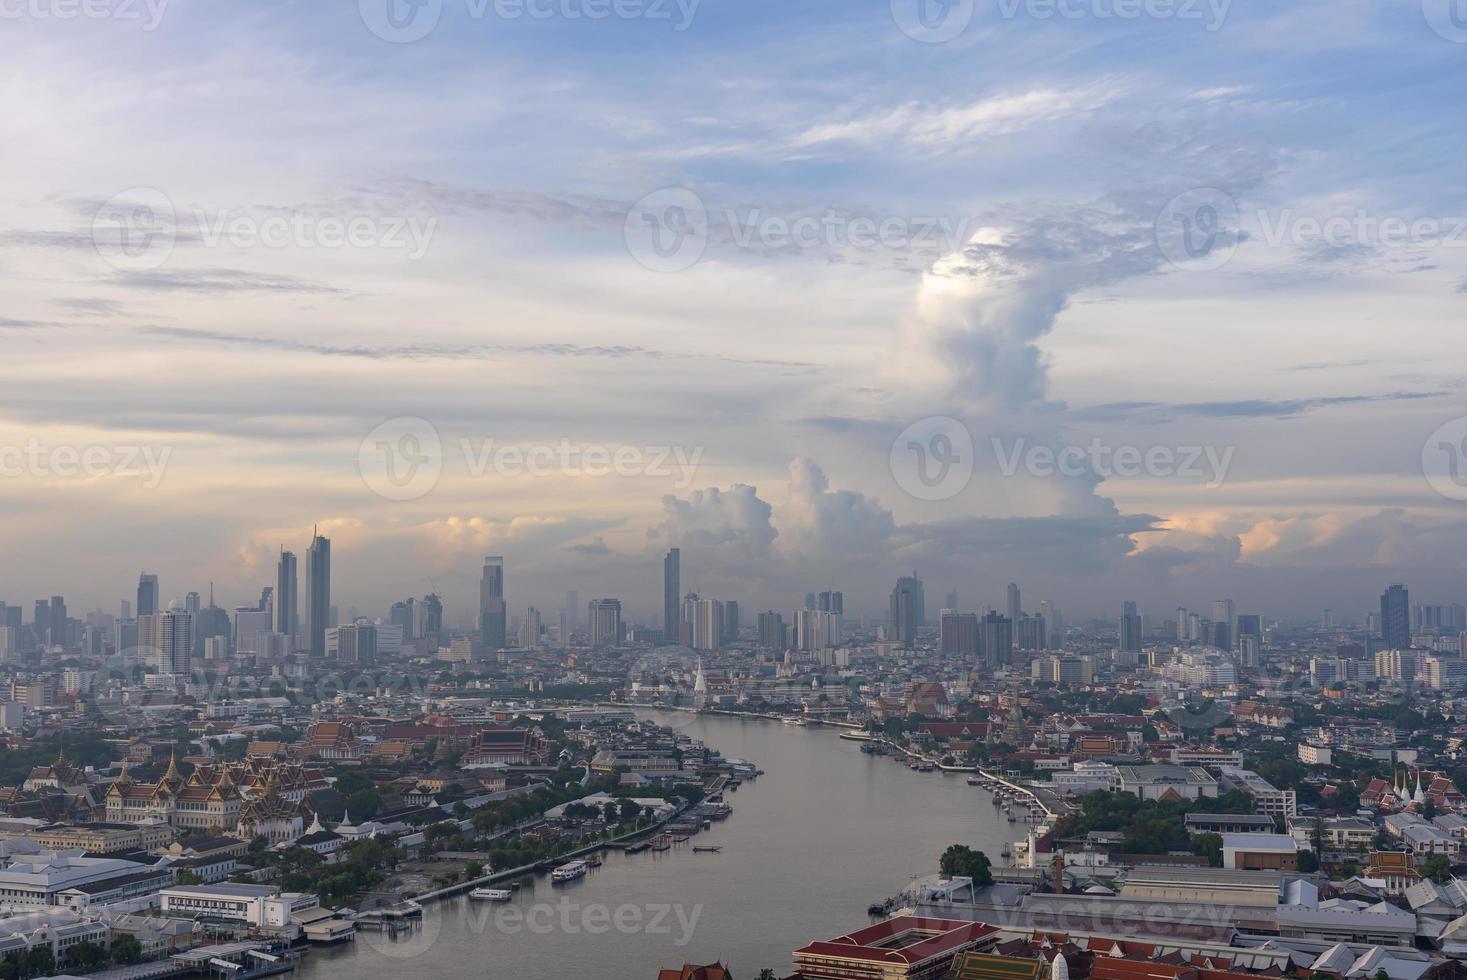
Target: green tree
[
  {"x": 87, "y": 955},
  {"x": 1209, "y": 846},
  {"x": 126, "y": 950},
  {"x": 474, "y": 870},
  {"x": 40, "y": 962},
  {"x": 959, "y": 860},
  {"x": 1438, "y": 868}
]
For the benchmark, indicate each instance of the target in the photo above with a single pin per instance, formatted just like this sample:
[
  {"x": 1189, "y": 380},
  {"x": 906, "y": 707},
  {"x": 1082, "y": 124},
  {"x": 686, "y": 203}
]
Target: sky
[{"x": 1118, "y": 299}]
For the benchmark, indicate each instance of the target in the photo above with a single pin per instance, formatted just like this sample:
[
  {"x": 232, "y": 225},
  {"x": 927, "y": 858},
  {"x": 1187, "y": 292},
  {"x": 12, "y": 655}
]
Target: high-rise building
[
  {"x": 430, "y": 618},
  {"x": 493, "y": 620},
  {"x": 1395, "y": 617},
  {"x": 816, "y": 630},
  {"x": 192, "y": 603},
  {"x": 1029, "y": 632},
  {"x": 772, "y": 634},
  {"x": 404, "y": 614},
  {"x": 210, "y": 622},
  {"x": 705, "y": 620},
  {"x": 833, "y": 602},
  {"x": 996, "y": 640},
  {"x": 951, "y": 602},
  {"x": 147, "y": 594},
  {"x": 1129, "y": 634},
  {"x": 1016, "y": 608},
  {"x": 810, "y": 600},
  {"x": 906, "y": 613},
  {"x": 354, "y": 644},
  {"x": 318, "y": 594},
  {"x": 251, "y": 627},
  {"x": 59, "y": 621},
  {"x": 287, "y": 595},
  {"x": 604, "y": 620},
  {"x": 1224, "y": 616},
  {"x": 671, "y": 595},
  {"x": 174, "y": 631},
  {"x": 730, "y": 621},
  {"x": 957, "y": 633},
  {"x": 530, "y": 629}
]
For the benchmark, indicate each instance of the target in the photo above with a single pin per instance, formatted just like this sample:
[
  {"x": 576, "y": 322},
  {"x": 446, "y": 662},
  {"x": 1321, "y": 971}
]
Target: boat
[
  {"x": 975, "y": 781},
  {"x": 491, "y": 894},
  {"x": 569, "y": 872},
  {"x": 706, "y": 849},
  {"x": 593, "y": 862},
  {"x": 661, "y": 846},
  {"x": 680, "y": 839}
]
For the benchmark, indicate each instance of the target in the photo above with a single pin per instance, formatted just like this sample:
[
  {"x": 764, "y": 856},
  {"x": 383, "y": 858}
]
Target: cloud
[
  {"x": 221, "y": 281},
  {"x": 596, "y": 548},
  {"x": 1248, "y": 408}
]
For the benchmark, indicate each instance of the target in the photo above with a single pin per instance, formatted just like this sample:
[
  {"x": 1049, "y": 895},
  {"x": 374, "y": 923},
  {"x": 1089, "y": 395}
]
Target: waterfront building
[{"x": 907, "y": 947}]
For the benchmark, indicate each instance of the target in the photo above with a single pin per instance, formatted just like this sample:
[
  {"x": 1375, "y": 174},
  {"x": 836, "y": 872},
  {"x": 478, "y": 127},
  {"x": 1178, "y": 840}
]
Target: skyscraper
[
  {"x": 1016, "y": 608},
  {"x": 404, "y": 614},
  {"x": 605, "y": 622},
  {"x": 58, "y": 621},
  {"x": 906, "y": 612},
  {"x": 1225, "y": 624},
  {"x": 147, "y": 594},
  {"x": 772, "y": 634},
  {"x": 286, "y": 595},
  {"x": 833, "y": 602},
  {"x": 493, "y": 619},
  {"x": 1129, "y": 634},
  {"x": 996, "y": 640},
  {"x": 671, "y": 593},
  {"x": 430, "y": 618},
  {"x": 175, "y": 639},
  {"x": 1395, "y": 617},
  {"x": 318, "y": 594},
  {"x": 957, "y": 633}
]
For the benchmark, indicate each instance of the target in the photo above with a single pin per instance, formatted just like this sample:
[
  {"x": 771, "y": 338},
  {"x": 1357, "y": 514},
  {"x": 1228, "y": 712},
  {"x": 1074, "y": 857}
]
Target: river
[{"x": 824, "y": 833}]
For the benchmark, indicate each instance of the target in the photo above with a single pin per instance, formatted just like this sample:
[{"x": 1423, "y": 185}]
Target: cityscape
[{"x": 733, "y": 490}]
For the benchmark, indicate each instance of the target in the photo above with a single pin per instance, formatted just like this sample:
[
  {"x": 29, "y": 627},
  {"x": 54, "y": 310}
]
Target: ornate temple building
[{"x": 254, "y": 798}]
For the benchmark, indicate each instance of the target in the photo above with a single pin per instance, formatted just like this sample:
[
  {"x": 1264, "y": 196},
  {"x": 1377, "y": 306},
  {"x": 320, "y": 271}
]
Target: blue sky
[{"x": 1022, "y": 168}]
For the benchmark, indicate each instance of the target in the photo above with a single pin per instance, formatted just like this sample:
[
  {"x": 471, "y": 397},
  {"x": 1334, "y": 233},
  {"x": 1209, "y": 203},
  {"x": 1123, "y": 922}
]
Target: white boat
[
  {"x": 569, "y": 872},
  {"x": 491, "y": 894}
]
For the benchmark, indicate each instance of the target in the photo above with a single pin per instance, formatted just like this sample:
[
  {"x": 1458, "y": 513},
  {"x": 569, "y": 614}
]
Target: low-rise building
[
  {"x": 1260, "y": 852},
  {"x": 1163, "y": 782}
]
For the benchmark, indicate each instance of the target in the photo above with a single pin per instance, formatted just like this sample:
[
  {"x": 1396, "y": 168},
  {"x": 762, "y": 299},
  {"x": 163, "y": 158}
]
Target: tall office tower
[
  {"x": 957, "y": 633},
  {"x": 354, "y": 644},
  {"x": 430, "y": 617},
  {"x": 1182, "y": 636},
  {"x": 147, "y": 594},
  {"x": 1224, "y": 615},
  {"x": 58, "y": 621},
  {"x": 706, "y": 620},
  {"x": 1329, "y": 619},
  {"x": 833, "y": 602},
  {"x": 996, "y": 640},
  {"x": 11, "y": 617},
  {"x": 1249, "y": 625},
  {"x": 1016, "y": 608},
  {"x": 772, "y": 634},
  {"x": 404, "y": 614},
  {"x": 730, "y": 622},
  {"x": 175, "y": 635},
  {"x": 267, "y": 602},
  {"x": 1029, "y": 632},
  {"x": 251, "y": 626},
  {"x": 1050, "y": 615},
  {"x": 209, "y": 622},
  {"x": 126, "y": 610},
  {"x": 671, "y": 595},
  {"x": 192, "y": 603},
  {"x": 906, "y": 612},
  {"x": 318, "y": 594},
  {"x": 1129, "y": 634},
  {"x": 530, "y": 629},
  {"x": 951, "y": 602},
  {"x": 1395, "y": 619},
  {"x": 493, "y": 620},
  {"x": 605, "y": 622},
  {"x": 810, "y": 601},
  {"x": 573, "y": 609},
  {"x": 287, "y": 594},
  {"x": 816, "y": 630}
]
